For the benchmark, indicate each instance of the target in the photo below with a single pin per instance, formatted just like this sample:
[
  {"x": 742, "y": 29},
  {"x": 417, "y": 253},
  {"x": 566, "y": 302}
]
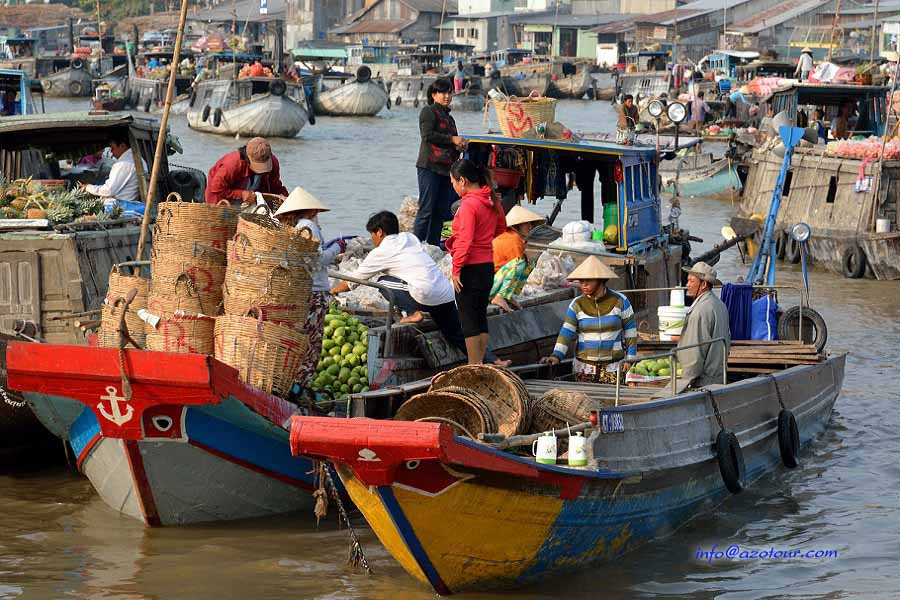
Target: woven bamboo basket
[
  {"x": 502, "y": 390},
  {"x": 240, "y": 251},
  {"x": 518, "y": 115},
  {"x": 208, "y": 224},
  {"x": 558, "y": 407},
  {"x": 203, "y": 265},
  {"x": 466, "y": 411},
  {"x": 182, "y": 327},
  {"x": 267, "y": 355},
  {"x": 281, "y": 295},
  {"x": 119, "y": 286},
  {"x": 267, "y": 235}
]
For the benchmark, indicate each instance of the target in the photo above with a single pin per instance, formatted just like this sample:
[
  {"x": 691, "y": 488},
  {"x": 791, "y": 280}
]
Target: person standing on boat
[
  {"x": 707, "y": 319},
  {"x": 478, "y": 221},
  {"x": 301, "y": 210},
  {"x": 601, "y": 323},
  {"x": 122, "y": 183},
  {"x": 511, "y": 265},
  {"x": 439, "y": 148},
  {"x": 819, "y": 124},
  {"x": 804, "y": 65},
  {"x": 699, "y": 108},
  {"x": 239, "y": 175},
  {"x": 459, "y": 77},
  {"x": 628, "y": 118}
]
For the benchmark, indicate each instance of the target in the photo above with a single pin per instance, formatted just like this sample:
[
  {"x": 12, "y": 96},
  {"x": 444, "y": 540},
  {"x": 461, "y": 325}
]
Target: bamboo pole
[
  {"x": 872, "y": 44},
  {"x": 163, "y": 128}
]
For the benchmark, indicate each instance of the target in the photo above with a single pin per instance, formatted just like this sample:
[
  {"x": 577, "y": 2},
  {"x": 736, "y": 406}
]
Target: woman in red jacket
[{"x": 478, "y": 221}]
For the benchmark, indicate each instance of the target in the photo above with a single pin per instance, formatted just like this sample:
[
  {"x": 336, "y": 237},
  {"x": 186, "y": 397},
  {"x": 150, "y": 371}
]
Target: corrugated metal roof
[
  {"x": 776, "y": 15},
  {"x": 450, "y": 6},
  {"x": 376, "y": 26},
  {"x": 869, "y": 9},
  {"x": 68, "y": 120},
  {"x": 567, "y": 20},
  {"x": 242, "y": 11}
]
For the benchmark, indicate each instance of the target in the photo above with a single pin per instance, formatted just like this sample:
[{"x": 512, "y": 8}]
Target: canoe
[
  {"x": 249, "y": 107},
  {"x": 460, "y": 515},
  {"x": 699, "y": 175},
  {"x": 360, "y": 97},
  {"x": 193, "y": 443}
]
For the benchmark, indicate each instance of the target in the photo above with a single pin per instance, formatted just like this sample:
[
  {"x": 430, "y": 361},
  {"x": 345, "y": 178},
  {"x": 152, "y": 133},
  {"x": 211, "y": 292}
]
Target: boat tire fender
[
  {"x": 731, "y": 461},
  {"x": 788, "y": 439},
  {"x": 47, "y": 84},
  {"x": 416, "y": 103},
  {"x": 853, "y": 262},
  {"x": 193, "y": 97},
  {"x": 388, "y": 103},
  {"x": 310, "y": 109},
  {"x": 217, "y": 117},
  {"x": 788, "y": 326},
  {"x": 148, "y": 104},
  {"x": 792, "y": 250},
  {"x": 205, "y": 114},
  {"x": 277, "y": 88},
  {"x": 75, "y": 88},
  {"x": 398, "y": 101},
  {"x": 781, "y": 245},
  {"x": 77, "y": 63},
  {"x": 363, "y": 74}
]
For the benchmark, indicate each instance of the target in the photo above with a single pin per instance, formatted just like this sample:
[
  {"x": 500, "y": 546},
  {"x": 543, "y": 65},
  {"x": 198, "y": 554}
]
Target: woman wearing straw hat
[
  {"x": 301, "y": 210},
  {"x": 805, "y": 64},
  {"x": 601, "y": 322},
  {"x": 511, "y": 265}
]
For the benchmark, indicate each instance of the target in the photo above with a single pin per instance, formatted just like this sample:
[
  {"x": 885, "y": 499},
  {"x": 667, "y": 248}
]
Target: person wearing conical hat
[
  {"x": 804, "y": 65},
  {"x": 601, "y": 324},
  {"x": 511, "y": 265},
  {"x": 301, "y": 210}
]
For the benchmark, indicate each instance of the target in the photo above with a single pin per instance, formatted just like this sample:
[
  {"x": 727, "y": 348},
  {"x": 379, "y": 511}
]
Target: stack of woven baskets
[
  {"x": 266, "y": 292},
  {"x": 114, "y": 304}
]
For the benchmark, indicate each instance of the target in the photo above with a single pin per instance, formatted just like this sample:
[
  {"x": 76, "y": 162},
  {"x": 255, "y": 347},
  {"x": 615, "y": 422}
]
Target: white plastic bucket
[
  {"x": 882, "y": 225},
  {"x": 676, "y": 298},
  {"x": 671, "y": 320}
]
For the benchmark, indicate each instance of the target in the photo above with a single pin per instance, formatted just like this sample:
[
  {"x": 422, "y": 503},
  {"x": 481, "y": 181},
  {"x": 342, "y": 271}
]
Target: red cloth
[
  {"x": 230, "y": 176},
  {"x": 476, "y": 224}
]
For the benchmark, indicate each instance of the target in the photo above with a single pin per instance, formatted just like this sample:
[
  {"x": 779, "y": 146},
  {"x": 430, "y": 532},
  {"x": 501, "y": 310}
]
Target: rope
[
  {"x": 778, "y": 392},
  {"x": 451, "y": 422},
  {"x": 715, "y": 409},
  {"x": 10, "y": 401},
  {"x": 357, "y": 556}
]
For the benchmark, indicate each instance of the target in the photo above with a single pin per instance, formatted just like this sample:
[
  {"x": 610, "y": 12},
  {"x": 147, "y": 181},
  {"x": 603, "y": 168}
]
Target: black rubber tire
[
  {"x": 780, "y": 245},
  {"x": 788, "y": 439},
  {"x": 148, "y": 104},
  {"x": 398, "y": 101},
  {"x": 388, "y": 103},
  {"x": 792, "y": 250},
  {"x": 363, "y": 74},
  {"x": 416, "y": 103},
  {"x": 277, "y": 88},
  {"x": 193, "y": 97},
  {"x": 205, "y": 114},
  {"x": 217, "y": 117},
  {"x": 77, "y": 64},
  {"x": 76, "y": 88},
  {"x": 731, "y": 461},
  {"x": 853, "y": 262},
  {"x": 309, "y": 109},
  {"x": 789, "y": 322}
]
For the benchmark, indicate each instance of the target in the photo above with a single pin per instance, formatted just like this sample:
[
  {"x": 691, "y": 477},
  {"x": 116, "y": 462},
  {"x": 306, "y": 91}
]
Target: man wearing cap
[
  {"x": 511, "y": 265},
  {"x": 805, "y": 64},
  {"x": 601, "y": 322},
  {"x": 707, "y": 319},
  {"x": 240, "y": 175}
]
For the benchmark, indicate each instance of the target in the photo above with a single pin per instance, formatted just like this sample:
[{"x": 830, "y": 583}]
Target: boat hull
[
  {"x": 715, "y": 179},
  {"x": 409, "y": 91},
  {"x": 264, "y": 115},
  {"x": 468, "y": 101},
  {"x": 193, "y": 444},
  {"x": 352, "y": 99},
  {"x": 458, "y": 515},
  {"x": 571, "y": 86},
  {"x": 68, "y": 83}
]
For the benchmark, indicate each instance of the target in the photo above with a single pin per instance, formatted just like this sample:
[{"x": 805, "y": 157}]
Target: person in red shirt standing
[
  {"x": 478, "y": 221},
  {"x": 239, "y": 175}
]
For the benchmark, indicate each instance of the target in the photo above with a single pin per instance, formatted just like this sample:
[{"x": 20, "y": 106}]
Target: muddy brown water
[{"x": 59, "y": 540}]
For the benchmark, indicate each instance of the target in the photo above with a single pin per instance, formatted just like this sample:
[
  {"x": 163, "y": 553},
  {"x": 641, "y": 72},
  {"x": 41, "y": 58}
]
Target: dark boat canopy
[{"x": 870, "y": 101}]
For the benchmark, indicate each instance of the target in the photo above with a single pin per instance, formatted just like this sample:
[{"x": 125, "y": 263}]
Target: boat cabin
[
  {"x": 765, "y": 68},
  {"x": 646, "y": 60},
  {"x": 15, "y": 93},
  {"x": 801, "y": 99},
  {"x": 18, "y": 47},
  {"x": 370, "y": 55},
  {"x": 727, "y": 61},
  {"x": 510, "y": 56}
]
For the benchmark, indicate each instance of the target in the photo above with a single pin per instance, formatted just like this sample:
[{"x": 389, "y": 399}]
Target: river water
[{"x": 59, "y": 540}]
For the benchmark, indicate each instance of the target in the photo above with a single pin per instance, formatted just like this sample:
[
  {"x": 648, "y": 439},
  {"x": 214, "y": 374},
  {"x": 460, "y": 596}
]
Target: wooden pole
[
  {"x": 873, "y": 45},
  {"x": 163, "y": 128},
  {"x": 100, "y": 37},
  {"x": 834, "y": 23}
]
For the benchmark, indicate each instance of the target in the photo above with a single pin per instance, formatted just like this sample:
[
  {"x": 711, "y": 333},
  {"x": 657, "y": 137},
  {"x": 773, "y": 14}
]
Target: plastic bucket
[
  {"x": 882, "y": 225},
  {"x": 671, "y": 320},
  {"x": 676, "y": 298},
  {"x": 610, "y": 214}
]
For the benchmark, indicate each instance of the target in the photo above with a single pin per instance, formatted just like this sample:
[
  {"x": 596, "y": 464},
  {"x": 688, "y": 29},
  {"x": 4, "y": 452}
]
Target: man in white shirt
[{"x": 122, "y": 183}]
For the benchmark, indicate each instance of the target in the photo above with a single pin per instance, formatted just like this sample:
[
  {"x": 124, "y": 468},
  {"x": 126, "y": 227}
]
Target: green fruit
[
  {"x": 346, "y": 348},
  {"x": 327, "y": 345},
  {"x": 664, "y": 372},
  {"x": 364, "y": 389},
  {"x": 345, "y": 389},
  {"x": 354, "y": 380},
  {"x": 353, "y": 360},
  {"x": 333, "y": 370},
  {"x": 327, "y": 362},
  {"x": 611, "y": 234},
  {"x": 334, "y": 351},
  {"x": 344, "y": 374},
  {"x": 352, "y": 338},
  {"x": 340, "y": 332},
  {"x": 328, "y": 331},
  {"x": 357, "y": 388}
]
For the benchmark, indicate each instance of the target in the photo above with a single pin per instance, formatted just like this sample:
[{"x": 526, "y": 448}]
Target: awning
[{"x": 319, "y": 53}]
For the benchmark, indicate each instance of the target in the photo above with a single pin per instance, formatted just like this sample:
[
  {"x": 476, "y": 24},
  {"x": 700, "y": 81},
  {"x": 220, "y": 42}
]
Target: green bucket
[{"x": 610, "y": 214}]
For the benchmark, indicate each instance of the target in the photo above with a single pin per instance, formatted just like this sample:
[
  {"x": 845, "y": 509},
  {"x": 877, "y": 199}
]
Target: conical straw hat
[
  {"x": 300, "y": 199},
  {"x": 519, "y": 215},
  {"x": 592, "y": 268}
]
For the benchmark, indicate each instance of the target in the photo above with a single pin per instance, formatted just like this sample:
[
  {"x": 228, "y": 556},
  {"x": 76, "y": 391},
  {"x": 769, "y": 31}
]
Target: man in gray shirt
[{"x": 707, "y": 319}]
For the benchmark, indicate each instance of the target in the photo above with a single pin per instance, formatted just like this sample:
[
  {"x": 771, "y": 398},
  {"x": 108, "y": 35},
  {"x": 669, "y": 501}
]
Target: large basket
[
  {"x": 119, "y": 286},
  {"x": 240, "y": 251},
  {"x": 464, "y": 410},
  {"x": 203, "y": 265},
  {"x": 267, "y": 235},
  {"x": 208, "y": 224},
  {"x": 518, "y": 115},
  {"x": 558, "y": 407},
  {"x": 502, "y": 390},
  {"x": 266, "y": 355},
  {"x": 182, "y": 333},
  {"x": 281, "y": 295}
]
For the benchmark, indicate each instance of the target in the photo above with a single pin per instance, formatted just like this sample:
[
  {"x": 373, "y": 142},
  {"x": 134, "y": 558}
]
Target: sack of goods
[{"x": 114, "y": 304}]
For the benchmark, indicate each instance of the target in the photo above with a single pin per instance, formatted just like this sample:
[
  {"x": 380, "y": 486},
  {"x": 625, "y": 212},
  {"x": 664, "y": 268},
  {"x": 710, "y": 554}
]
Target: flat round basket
[
  {"x": 266, "y": 355},
  {"x": 518, "y": 115},
  {"x": 501, "y": 389},
  {"x": 267, "y": 235},
  {"x": 462, "y": 409},
  {"x": 558, "y": 407},
  {"x": 209, "y": 224},
  {"x": 280, "y": 294}
]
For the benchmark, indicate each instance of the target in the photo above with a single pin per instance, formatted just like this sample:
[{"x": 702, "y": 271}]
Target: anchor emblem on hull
[{"x": 116, "y": 415}]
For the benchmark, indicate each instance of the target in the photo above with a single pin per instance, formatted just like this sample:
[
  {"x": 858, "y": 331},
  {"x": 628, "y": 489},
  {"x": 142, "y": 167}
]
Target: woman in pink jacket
[{"x": 478, "y": 221}]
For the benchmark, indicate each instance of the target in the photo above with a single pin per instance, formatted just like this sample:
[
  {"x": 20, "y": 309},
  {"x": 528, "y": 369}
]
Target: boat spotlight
[
  {"x": 655, "y": 109},
  {"x": 676, "y": 112},
  {"x": 800, "y": 232}
]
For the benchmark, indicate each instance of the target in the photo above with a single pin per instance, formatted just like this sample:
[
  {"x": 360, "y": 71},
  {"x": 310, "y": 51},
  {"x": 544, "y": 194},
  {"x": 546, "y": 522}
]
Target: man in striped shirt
[{"x": 601, "y": 323}]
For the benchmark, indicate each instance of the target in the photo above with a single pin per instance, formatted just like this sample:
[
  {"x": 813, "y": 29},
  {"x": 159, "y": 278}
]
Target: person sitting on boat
[
  {"x": 417, "y": 284},
  {"x": 301, "y": 210},
  {"x": 628, "y": 119},
  {"x": 804, "y": 65},
  {"x": 707, "y": 319},
  {"x": 841, "y": 127},
  {"x": 601, "y": 322},
  {"x": 511, "y": 266},
  {"x": 239, "y": 175},
  {"x": 9, "y": 106},
  {"x": 122, "y": 183},
  {"x": 819, "y": 124}
]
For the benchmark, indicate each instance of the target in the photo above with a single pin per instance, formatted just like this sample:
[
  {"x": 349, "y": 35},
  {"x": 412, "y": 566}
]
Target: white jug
[
  {"x": 544, "y": 449},
  {"x": 577, "y": 450}
]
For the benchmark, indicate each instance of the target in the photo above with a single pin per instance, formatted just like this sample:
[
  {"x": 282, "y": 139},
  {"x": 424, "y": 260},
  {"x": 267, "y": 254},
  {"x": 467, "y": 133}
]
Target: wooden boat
[
  {"x": 410, "y": 90},
  {"x": 841, "y": 199},
  {"x": 459, "y": 514},
  {"x": 70, "y": 82},
  {"x": 469, "y": 100},
  {"x": 190, "y": 443},
  {"x": 699, "y": 175},
  {"x": 359, "y": 97},
  {"x": 574, "y": 86},
  {"x": 107, "y": 98},
  {"x": 255, "y": 106},
  {"x": 147, "y": 93}
]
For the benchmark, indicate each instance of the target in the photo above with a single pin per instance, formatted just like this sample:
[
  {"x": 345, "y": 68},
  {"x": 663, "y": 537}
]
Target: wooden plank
[
  {"x": 765, "y": 361},
  {"x": 760, "y": 370},
  {"x": 766, "y": 342},
  {"x": 773, "y": 353}
]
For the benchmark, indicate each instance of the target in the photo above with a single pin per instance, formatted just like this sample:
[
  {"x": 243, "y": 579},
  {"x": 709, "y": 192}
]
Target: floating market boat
[
  {"x": 359, "y": 97},
  {"x": 700, "y": 175},
  {"x": 249, "y": 107},
  {"x": 471, "y": 99},
  {"x": 145, "y": 89},
  {"x": 72, "y": 81},
  {"x": 575, "y": 85},
  {"x": 849, "y": 202},
  {"x": 640, "y": 79}
]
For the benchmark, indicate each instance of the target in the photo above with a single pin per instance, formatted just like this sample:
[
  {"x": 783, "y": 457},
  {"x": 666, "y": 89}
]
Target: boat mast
[
  {"x": 163, "y": 130},
  {"x": 100, "y": 39},
  {"x": 874, "y": 33},
  {"x": 837, "y": 15}
]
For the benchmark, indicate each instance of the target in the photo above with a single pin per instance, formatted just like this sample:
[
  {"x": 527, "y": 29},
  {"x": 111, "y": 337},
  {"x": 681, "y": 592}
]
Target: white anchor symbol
[
  {"x": 116, "y": 417},
  {"x": 367, "y": 455}
]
